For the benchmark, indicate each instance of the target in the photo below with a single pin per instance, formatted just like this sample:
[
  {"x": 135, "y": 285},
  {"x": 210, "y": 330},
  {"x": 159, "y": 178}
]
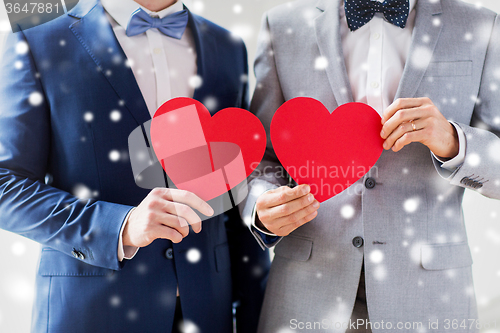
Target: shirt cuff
[
  {"x": 126, "y": 252},
  {"x": 254, "y": 216},
  {"x": 267, "y": 237},
  {"x": 457, "y": 161}
]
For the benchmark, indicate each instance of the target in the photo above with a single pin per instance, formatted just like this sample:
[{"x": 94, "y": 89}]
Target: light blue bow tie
[{"x": 172, "y": 25}]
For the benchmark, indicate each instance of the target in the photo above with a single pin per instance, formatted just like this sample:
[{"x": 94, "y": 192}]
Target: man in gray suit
[{"x": 395, "y": 255}]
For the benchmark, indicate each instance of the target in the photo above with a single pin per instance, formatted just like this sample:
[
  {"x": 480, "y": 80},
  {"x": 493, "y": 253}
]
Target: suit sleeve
[
  {"x": 28, "y": 206},
  {"x": 481, "y": 168},
  {"x": 267, "y": 98}
]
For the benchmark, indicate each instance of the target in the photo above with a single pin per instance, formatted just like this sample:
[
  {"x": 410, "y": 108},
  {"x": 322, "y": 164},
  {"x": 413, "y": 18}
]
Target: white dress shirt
[
  {"x": 163, "y": 67},
  {"x": 375, "y": 56}
]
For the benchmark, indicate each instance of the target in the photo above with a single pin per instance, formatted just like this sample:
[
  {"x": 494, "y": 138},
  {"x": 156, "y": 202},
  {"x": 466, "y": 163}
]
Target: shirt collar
[
  {"x": 412, "y": 4},
  {"x": 121, "y": 10}
]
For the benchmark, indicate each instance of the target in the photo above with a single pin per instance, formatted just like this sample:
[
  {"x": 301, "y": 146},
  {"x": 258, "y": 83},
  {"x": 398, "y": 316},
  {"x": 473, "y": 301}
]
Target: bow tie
[
  {"x": 172, "y": 25},
  {"x": 360, "y": 12}
]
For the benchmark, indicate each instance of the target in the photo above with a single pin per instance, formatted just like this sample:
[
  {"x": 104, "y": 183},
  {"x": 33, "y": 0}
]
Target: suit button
[
  {"x": 370, "y": 183},
  {"x": 464, "y": 180},
  {"x": 75, "y": 254},
  {"x": 357, "y": 241},
  {"x": 169, "y": 253}
]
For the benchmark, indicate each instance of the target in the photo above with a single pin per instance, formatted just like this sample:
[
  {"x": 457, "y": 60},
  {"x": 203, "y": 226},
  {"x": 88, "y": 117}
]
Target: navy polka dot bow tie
[{"x": 360, "y": 12}]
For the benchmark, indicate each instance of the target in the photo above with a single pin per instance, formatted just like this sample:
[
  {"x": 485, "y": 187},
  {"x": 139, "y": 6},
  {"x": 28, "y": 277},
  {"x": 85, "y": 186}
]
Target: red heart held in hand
[
  {"x": 330, "y": 152},
  {"x": 203, "y": 154}
]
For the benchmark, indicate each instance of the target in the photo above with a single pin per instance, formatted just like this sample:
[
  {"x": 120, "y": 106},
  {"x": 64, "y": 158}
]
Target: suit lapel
[
  {"x": 428, "y": 27},
  {"x": 94, "y": 32},
  {"x": 327, "y": 27},
  {"x": 206, "y": 58}
]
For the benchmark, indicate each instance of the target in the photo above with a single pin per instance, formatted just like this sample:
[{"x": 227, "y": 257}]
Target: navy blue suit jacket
[{"x": 48, "y": 151}]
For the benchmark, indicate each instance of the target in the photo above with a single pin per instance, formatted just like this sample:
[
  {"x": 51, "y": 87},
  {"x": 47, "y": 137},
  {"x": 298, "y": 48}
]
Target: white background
[{"x": 19, "y": 256}]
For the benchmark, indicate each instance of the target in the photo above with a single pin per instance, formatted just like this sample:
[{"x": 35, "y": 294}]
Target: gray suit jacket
[{"x": 417, "y": 258}]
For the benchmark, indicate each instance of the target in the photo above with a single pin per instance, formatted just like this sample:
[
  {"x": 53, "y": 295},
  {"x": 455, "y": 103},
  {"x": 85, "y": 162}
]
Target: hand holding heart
[
  {"x": 410, "y": 120},
  {"x": 330, "y": 151},
  {"x": 204, "y": 156},
  {"x": 296, "y": 138},
  {"x": 166, "y": 214},
  {"x": 284, "y": 209}
]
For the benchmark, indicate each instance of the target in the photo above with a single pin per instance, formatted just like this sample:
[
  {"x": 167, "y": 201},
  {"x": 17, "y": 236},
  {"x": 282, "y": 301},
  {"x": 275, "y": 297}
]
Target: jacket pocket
[
  {"x": 295, "y": 248},
  {"x": 437, "y": 257},
  {"x": 449, "y": 68},
  {"x": 55, "y": 263}
]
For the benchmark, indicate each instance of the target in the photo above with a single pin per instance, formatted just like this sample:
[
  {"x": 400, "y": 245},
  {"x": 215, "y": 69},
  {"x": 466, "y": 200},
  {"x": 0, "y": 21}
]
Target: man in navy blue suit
[{"x": 115, "y": 257}]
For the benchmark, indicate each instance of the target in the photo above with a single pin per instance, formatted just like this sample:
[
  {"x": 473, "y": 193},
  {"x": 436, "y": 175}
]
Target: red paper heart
[
  {"x": 330, "y": 152},
  {"x": 203, "y": 154}
]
